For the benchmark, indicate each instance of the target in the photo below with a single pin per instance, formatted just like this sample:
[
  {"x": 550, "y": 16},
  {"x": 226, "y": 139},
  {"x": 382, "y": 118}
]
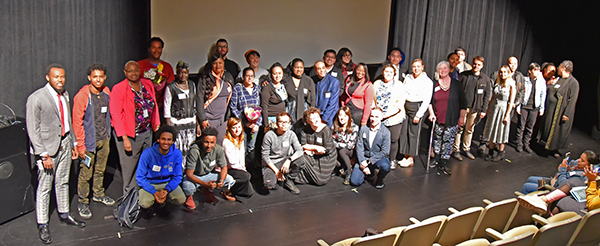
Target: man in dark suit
[
  {"x": 52, "y": 142},
  {"x": 372, "y": 150}
]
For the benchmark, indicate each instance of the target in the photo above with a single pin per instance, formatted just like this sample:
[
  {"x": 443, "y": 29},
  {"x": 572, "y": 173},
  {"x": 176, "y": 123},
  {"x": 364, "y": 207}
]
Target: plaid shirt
[{"x": 240, "y": 99}]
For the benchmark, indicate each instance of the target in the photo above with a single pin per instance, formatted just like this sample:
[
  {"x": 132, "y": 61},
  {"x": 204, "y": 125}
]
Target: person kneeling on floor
[
  {"x": 372, "y": 149},
  {"x": 159, "y": 171},
  {"x": 206, "y": 166}
]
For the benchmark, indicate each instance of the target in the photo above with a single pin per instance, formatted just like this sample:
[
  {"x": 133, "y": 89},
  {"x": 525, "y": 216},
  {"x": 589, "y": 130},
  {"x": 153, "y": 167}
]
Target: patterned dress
[
  {"x": 318, "y": 168},
  {"x": 495, "y": 130}
]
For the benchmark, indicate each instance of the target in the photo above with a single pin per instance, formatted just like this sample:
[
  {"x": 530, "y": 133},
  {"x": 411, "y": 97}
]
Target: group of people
[{"x": 175, "y": 136}]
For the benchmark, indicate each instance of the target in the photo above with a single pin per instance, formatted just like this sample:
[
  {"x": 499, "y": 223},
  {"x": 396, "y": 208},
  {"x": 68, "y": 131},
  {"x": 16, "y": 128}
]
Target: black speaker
[{"x": 17, "y": 192}]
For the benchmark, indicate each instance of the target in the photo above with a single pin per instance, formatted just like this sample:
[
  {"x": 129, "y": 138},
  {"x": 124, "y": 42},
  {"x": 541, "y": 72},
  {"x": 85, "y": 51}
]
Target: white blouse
[
  {"x": 235, "y": 157},
  {"x": 419, "y": 89}
]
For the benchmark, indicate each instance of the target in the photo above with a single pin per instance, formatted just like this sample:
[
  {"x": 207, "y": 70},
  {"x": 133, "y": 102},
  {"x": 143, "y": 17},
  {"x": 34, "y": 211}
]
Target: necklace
[
  {"x": 444, "y": 85},
  {"x": 183, "y": 85}
]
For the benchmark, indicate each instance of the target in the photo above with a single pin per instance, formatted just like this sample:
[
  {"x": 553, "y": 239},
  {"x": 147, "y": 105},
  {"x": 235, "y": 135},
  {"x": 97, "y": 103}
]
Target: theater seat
[
  {"x": 422, "y": 233},
  {"x": 459, "y": 226},
  {"x": 586, "y": 232},
  {"x": 384, "y": 239},
  {"x": 496, "y": 215}
]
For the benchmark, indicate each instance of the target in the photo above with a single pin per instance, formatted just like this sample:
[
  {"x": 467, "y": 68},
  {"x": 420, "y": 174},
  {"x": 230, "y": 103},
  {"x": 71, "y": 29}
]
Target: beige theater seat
[
  {"x": 557, "y": 230},
  {"x": 475, "y": 242},
  {"x": 383, "y": 239},
  {"x": 588, "y": 230},
  {"x": 496, "y": 215},
  {"x": 421, "y": 233},
  {"x": 459, "y": 226},
  {"x": 522, "y": 216},
  {"x": 520, "y": 236}
]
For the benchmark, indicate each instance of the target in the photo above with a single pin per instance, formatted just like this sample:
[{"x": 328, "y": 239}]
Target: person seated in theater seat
[
  {"x": 281, "y": 155},
  {"x": 372, "y": 150},
  {"x": 396, "y": 59},
  {"x": 570, "y": 174},
  {"x": 159, "y": 171},
  {"x": 206, "y": 167}
]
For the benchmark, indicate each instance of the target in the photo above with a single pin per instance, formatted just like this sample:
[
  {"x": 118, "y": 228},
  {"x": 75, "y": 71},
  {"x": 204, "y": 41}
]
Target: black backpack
[{"x": 127, "y": 210}]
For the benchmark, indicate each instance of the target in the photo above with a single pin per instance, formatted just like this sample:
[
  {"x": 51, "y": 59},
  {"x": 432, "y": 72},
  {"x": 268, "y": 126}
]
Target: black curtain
[
  {"x": 533, "y": 31},
  {"x": 431, "y": 29},
  {"x": 73, "y": 33}
]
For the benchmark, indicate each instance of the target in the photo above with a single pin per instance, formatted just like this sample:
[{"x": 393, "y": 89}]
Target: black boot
[
  {"x": 491, "y": 154},
  {"x": 347, "y": 177},
  {"x": 443, "y": 167},
  {"x": 499, "y": 156}
]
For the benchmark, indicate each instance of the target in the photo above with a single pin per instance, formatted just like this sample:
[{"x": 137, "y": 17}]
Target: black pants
[
  {"x": 345, "y": 157},
  {"x": 242, "y": 186},
  {"x": 410, "y": 133},
  {"x": 394, "y": 138},
  {"x": 525, "y": 123}
]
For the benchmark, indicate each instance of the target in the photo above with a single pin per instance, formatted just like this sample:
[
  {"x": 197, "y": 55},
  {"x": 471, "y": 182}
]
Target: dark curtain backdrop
[
  {"x": 430, "y": 30},
  {"x": 73, "y": 33},
  {"x": 532, "y": 31}
]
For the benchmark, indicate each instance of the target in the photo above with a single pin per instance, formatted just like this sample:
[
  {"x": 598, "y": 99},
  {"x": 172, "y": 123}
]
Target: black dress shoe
[
  {"x": 70, "y": 220},
  {"x": 44, "y": 231}
]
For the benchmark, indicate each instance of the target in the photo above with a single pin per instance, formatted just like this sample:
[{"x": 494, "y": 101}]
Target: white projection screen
[{"x": 279, "y": 30}]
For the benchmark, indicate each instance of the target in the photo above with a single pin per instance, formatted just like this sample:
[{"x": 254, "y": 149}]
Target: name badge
[
  {"x": 228, "y": 89},
  {"x": 103, "y": 109},
  {"x": 181, "y": 96},
  {"x": 305, "y": 91},
  {"x": 319, "y": 140},
  {"x": 557, "y": 86},
  {"x": 364, "y": 135},
  {"x": 285, "y": 144},
  {"x": 327, "y": 94},
  {"x": 479, "y": 91},
  {"x": 145, "y": 114},
  {"x": 334, "y": 74},
  {"x": 156, "y": 168},
  {"x": 437, "y": 88},
  {"x": 350, "y": 72},
  {"x": 212, "y": 163},
  {"x": 572, "y": 173}
]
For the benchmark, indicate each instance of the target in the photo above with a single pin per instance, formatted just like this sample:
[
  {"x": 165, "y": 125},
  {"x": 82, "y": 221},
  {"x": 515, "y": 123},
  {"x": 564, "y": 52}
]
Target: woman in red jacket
[
  {"x": 358, "y": 95},
  {"x": 134, "y": 114}
]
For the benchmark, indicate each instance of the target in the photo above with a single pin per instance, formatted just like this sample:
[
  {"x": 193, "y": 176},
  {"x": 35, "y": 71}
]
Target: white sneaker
[
  {"x": 405, "y": 163},
  {"x": 393, "y": 164},
  {"x": 533, "y": 202}
]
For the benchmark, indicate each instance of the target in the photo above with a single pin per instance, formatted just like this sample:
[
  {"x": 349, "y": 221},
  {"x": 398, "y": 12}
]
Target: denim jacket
[{"x": 540, "y": 92}]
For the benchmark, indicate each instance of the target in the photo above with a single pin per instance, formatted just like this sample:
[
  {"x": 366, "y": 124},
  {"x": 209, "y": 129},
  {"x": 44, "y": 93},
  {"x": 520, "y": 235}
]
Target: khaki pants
[
  {"x": 96, "y": 169},
  {"x": 468, "y": 131},
  {"x": 176, "y": 196}
]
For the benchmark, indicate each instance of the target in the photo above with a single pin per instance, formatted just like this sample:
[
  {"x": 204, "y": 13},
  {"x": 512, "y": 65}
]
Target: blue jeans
[
  {"x": 358, "y": 176},
  {"x": 189, "y": 187},
  {"x": 531, "y": 185}
]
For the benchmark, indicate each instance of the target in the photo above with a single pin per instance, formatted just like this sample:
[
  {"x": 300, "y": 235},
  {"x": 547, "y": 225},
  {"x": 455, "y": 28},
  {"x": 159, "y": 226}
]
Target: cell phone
[
  {"x": 87, "y": 161},
  {"x": 596, "y": 168}
]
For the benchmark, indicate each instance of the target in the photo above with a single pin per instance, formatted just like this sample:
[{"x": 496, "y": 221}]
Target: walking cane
[{"x": 430, "y": 143}]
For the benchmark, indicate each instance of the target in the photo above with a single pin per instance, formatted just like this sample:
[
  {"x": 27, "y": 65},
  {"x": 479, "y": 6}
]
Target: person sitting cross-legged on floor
[
  {"x": 159, "y": 171},
  {"x": 372, "y": 149},
  {"x": 206, "y": 166},
  {"x": 570, "y": 174}
]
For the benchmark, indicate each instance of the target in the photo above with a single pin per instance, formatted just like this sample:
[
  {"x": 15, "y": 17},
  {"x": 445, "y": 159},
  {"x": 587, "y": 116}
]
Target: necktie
[{"x": 62, "y": 116}]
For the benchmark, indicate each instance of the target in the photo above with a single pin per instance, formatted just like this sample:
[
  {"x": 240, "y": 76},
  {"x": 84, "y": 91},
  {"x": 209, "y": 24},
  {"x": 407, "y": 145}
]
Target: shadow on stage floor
[{"x": 332, "y": 212}]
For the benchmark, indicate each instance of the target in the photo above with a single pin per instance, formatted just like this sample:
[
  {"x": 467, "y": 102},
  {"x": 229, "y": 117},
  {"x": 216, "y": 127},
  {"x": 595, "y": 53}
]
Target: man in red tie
[{"x": 52, "y": 142}]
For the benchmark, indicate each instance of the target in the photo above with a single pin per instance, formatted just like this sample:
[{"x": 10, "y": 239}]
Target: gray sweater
[{"x": 276, "y": 149}]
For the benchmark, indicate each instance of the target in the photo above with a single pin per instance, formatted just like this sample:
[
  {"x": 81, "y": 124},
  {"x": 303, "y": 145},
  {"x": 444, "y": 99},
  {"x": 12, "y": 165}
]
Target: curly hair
[
  {"x": 206, "y": 80},
  {"x": 96, "y": 66},
  {"x": 210, "y": 131}
]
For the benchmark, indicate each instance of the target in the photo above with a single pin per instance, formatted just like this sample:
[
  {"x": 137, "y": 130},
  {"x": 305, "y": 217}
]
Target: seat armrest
[
  {"x": 540, "y": 219},
  {"x": 452, "y": 210},
  {"x": 493, "y": 233},
  {"x": 413, "y": 220},
  {"x": 320, "y": 242}
]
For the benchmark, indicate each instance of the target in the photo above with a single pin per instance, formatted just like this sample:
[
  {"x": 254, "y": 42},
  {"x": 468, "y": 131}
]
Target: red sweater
[
  {"x": 122, "y": 108},
  {"x": 362, "y": 98}
]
